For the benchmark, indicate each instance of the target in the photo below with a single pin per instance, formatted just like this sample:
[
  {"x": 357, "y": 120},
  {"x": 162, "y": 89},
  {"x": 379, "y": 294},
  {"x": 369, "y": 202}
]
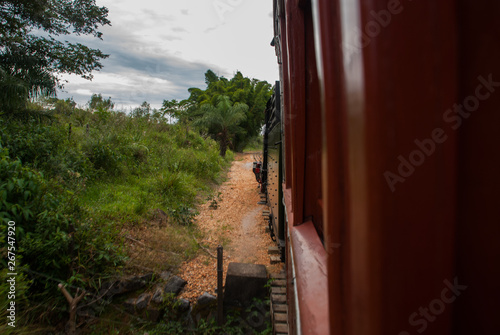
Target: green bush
[
  {"x": 19, "y": 191},
  {"x": 33, "y": 143},
  {"x": 53, "y": 245},
  {"x": 103, "y": 157},
  {"x": 41, "y": 230},
  {"x": 70, "y": 193}
]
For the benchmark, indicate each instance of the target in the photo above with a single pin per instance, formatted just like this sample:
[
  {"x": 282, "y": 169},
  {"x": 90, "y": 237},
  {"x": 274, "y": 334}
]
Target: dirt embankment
[{"x": 237, "y": 224}]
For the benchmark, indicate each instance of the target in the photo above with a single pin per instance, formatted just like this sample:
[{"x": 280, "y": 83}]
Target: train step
[
  {"x": 279, "y": 290},
  {"x": 273, "y": 251},
  {"x": 279, "y": 282},
  {"x": 275, "y": 259},
  {"x": 281, "y": 275},
  {"x": 279, "y": 309}
]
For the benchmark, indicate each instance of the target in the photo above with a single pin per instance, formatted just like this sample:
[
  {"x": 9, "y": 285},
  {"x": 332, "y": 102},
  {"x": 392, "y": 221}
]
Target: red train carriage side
[{"x": 390, "y": 160}]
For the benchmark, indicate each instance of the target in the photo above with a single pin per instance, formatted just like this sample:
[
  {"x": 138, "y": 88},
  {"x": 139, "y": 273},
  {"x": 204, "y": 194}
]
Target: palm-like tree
[{"x": 222, "y": 121}]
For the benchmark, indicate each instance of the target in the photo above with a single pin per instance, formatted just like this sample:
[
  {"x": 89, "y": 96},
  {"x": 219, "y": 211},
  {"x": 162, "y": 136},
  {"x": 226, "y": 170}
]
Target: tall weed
[{"x": 71, "y": 189}]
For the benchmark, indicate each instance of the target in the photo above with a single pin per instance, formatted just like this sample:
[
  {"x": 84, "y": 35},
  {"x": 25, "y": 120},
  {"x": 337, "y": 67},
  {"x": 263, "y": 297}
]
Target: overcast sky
[{"x": 158, "y": 49}]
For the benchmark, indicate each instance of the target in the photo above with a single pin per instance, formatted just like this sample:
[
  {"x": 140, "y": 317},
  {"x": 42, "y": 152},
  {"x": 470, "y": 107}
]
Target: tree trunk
[
  {"x": 73, "y": 304},
  {"x": 223, "y": 148},
  {"x": 223, "y": 140}
]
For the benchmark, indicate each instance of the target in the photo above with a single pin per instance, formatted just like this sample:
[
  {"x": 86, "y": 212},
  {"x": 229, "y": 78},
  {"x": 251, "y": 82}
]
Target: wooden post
[{"x": 220, "y": 289}]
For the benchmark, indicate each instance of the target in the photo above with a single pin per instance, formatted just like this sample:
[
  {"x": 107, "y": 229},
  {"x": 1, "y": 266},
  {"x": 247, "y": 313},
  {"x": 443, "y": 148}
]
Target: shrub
[
  {"x": 33, "y": 143},
  {"x": 19, "y": 189},
  {"x": 103, "y": 157},
  {"x": 53, "y": 246},
  {"x": 176, "y": 187},
  {"x": 71, "y": 193}
]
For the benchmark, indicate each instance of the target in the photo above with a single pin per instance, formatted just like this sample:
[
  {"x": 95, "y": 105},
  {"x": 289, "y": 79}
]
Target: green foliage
[
  {"x": 50, "y": 240},
  {"x": 21, "y": 296},
  {"x": 223, "y": 121},
  {"x": 171, "y": 108},
  {"x": 214, "y": 200},
  {"x": 98, "y": 103},
  {"x": 35, "y": 149},
  {"x": 71, "y": 189},
  {"x": 255, "y": 319},
  {"x": 72, "y": 179},
  {"x": 19, "y": 189},
  {"x": 255, "y": 144},
  {"x": 103, "y": 156},
  {"x": 13, "y": 92},
  {"x": 143, "y": 111},
  {"x": 30, "y": 61},
  {"x": 250, "y": 92}
]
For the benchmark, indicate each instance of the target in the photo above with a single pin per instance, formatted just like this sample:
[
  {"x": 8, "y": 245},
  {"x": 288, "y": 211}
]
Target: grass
[
  {"x": 153, "y": 248},
  {"x": 124, "y": 200},
  {"x": 121, "y": 196},
  {"x": 255, "y": 144}
]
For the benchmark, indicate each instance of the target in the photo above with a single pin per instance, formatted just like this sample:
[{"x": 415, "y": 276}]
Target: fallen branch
[
  {"x": 141, "y": 267},
  {"x": 101, "y": 296},
  {"x": 204, "y": 249},
  {"x": 147, "y": 246},
  {"x": 73, "y": 303}
]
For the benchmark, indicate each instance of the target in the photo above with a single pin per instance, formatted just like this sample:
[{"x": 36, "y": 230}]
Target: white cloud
[
  {"x": 84, "y": 91},
  {"x": 158, "y": 49}
]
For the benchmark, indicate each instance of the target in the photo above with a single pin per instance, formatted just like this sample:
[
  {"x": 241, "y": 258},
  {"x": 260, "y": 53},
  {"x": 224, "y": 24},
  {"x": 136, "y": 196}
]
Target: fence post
[{"x": 220, "y": 289}]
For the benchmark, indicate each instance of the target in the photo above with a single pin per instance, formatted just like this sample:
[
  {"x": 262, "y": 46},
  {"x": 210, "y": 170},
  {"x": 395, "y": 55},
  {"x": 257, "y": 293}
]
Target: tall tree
[
  {"x": 222, "y": 121},
  {"x": 31, "y": 58},
  {"x": 97, "y": 102},
  {"x": 252, "y": 92},
  {"x": 172, "y": 108},
  {"x": 143, "y": 111}
]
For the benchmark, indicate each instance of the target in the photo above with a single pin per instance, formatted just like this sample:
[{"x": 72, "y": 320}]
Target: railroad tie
[{"x": 279, "y": 308}]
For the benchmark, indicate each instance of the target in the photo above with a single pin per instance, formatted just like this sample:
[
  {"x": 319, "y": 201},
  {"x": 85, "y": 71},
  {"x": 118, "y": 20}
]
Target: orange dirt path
[{"x": 237, "y": 224}]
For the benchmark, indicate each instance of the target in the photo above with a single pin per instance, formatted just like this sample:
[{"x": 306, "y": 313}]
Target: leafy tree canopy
[
  {"x": 253, "y": 93},
  {"x": 143, "y": 111},
  {"x": 31, "y": 58},
  {"x": 97, "y": 102},
  {"x": 223, "y": 121}
]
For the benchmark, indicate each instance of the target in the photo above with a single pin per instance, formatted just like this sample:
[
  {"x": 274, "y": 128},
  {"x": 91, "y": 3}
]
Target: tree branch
[
  {"x": 204, "y": 249},
  {"x": 73, "y": 303}
]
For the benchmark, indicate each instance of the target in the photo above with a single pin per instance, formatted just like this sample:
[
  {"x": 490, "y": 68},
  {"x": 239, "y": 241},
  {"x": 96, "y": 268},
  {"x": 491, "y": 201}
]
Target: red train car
[{"x": 390, "y": 165}]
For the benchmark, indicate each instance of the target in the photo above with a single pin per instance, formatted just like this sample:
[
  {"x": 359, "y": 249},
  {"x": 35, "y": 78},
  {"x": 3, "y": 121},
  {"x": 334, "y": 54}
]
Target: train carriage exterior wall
[{"x": 390, "y": 163}]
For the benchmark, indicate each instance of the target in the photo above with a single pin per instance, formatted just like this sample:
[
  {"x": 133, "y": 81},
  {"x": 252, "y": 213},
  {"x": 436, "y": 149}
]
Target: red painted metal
[
  {"x": 312, "y": 143},
  {"x": 290, "y": 287},
  {"x": 296, "y": 110},
  {"x": 478, "y": 226},
  {"x": 309, "y": 257},
  {"x": 409, "y": 199},
  {"x": 328, "y": 41},
  {"x": 285, "y": 78},
  {"x": 407, "y": 231}
]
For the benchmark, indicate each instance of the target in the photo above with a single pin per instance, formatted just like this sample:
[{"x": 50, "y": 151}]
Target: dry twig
[
  {"x": 73, "y": 303},
  {"x": 204, "y": 249},
  {"x": 147, "y": 246}
]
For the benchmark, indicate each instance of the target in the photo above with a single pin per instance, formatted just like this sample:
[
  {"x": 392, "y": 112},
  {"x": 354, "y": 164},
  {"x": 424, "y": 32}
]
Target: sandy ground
[{"x": 237, "y": 224}]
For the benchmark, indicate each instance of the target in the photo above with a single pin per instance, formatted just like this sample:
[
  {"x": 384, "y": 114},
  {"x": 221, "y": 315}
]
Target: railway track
[{"x": 279, "y": 308}]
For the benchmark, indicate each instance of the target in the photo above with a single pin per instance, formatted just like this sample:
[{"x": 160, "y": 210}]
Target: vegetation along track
[{"x": 233, "y": 219}]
